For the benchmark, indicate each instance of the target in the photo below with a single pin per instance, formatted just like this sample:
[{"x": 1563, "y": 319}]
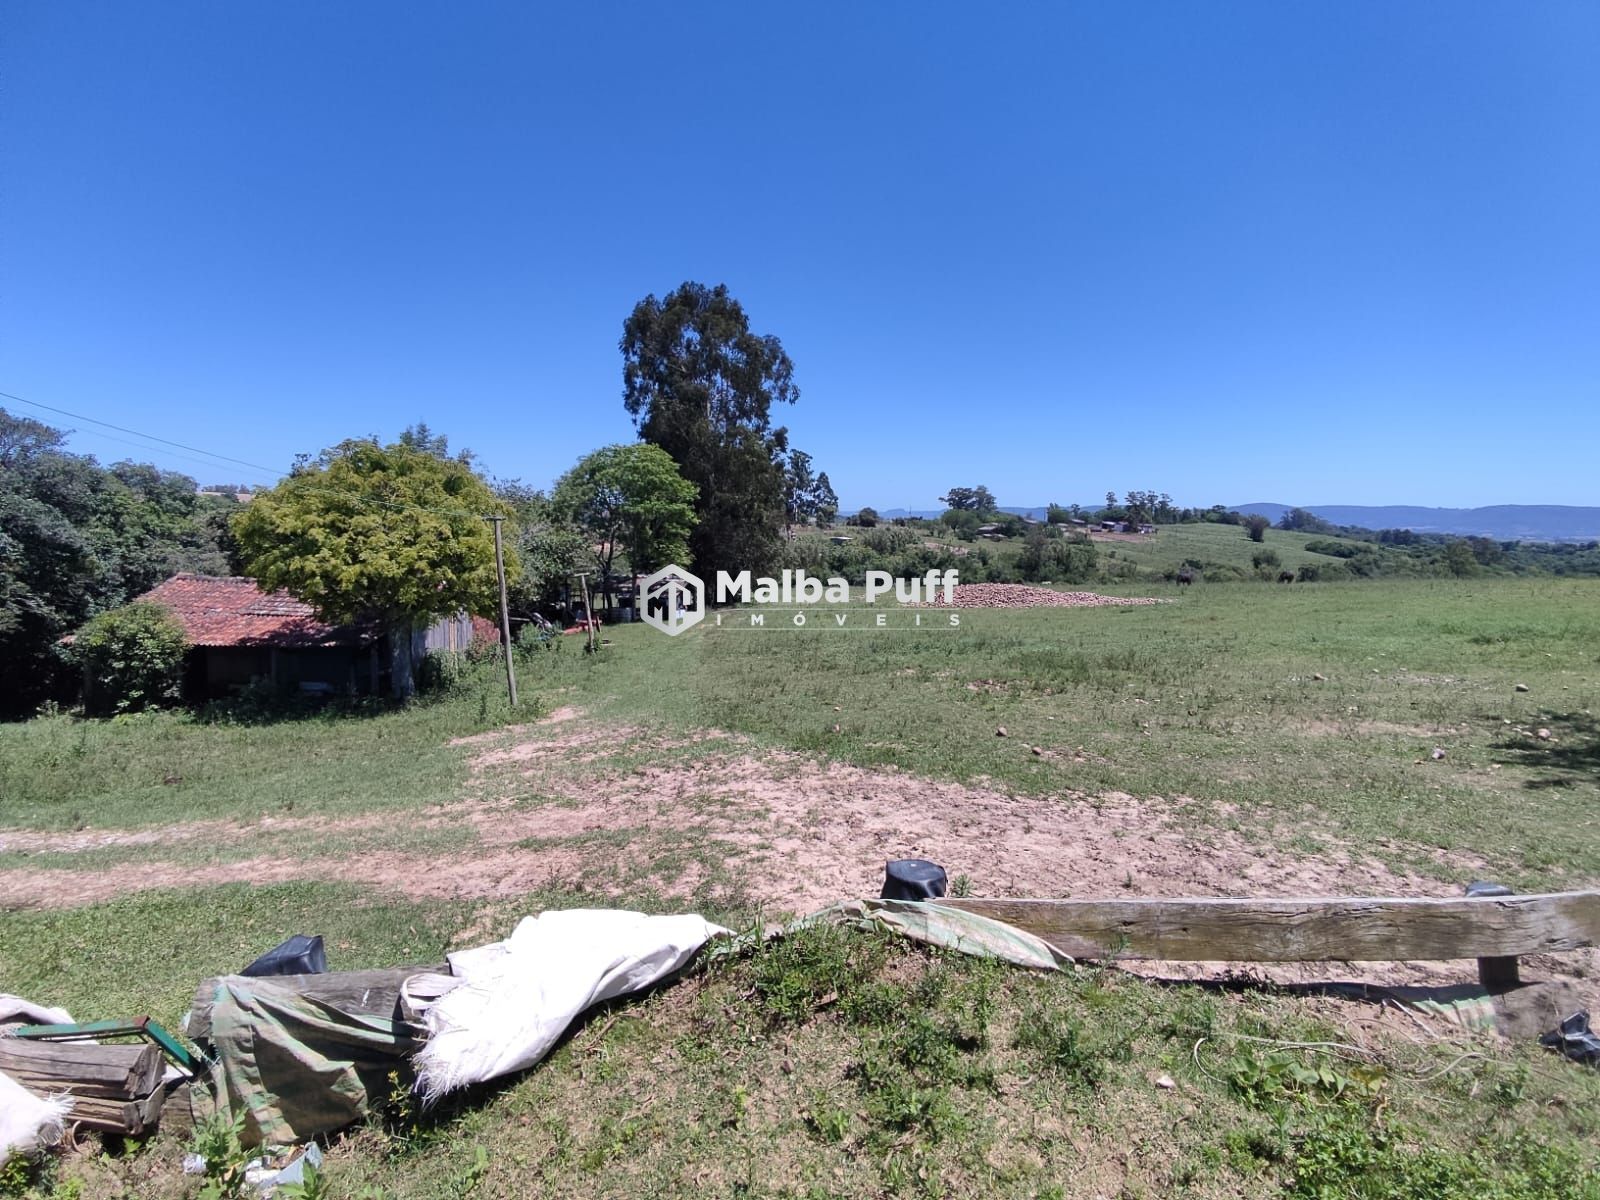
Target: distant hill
[{"x": 1503, "y": 522}]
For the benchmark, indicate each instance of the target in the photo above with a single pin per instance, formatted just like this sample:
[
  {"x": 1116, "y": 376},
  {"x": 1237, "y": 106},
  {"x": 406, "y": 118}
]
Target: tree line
[{"x": 399, "y": 532}]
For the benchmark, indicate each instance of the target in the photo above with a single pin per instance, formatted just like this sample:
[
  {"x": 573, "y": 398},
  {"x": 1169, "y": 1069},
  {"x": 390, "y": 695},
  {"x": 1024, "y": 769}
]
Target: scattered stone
[
  {"x": 1039, "y": 750},
  {"x": 1522, "y": 687},
  {"x": 1166, "y": 1081},
  {"x": 1543, "y": 735},
  {"x": 1001, "y": 732},
  {"x": 1319, "y": 677},
  {"x": 837, "y": 728},
  {"x": 1438, "y": 753}
]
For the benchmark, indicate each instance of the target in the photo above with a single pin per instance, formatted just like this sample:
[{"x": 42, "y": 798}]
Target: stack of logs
[{"x": 114, "y": 1088}]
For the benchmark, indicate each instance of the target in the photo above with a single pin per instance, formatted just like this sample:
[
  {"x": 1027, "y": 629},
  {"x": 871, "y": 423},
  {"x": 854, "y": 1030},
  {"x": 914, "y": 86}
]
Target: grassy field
[
  {"x": 1151, "y": 557},
  {"x": 1291, "y": 728},
  {"x": 1229, "y": 545}
]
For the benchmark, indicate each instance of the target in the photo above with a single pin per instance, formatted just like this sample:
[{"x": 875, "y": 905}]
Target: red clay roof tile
[{"x": 219, "y": 610}]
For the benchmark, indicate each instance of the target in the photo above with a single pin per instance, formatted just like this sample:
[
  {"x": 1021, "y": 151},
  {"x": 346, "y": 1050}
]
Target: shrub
[
  {"x": 1063, "y": 560},
  {"x": 132, "y": 659},
  {"x": 1338, "y": 549},
  {"x": 1256, "y": 526},
  {"x": 442, "y": 673},
  {"x": 1265, "y": 558}
]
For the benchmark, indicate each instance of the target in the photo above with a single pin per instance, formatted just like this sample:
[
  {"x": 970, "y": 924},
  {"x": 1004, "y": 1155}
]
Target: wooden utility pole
[
  {"x": 505, "y": 611},
  {"x": 588, "y": 613}
]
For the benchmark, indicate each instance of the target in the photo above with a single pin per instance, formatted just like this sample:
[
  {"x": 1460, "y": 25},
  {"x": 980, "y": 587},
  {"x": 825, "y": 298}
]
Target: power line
[
  {"x": 239, "y": 462},
  {"x": 95, "y": 433},
  {"x": 343, "y": 495}
]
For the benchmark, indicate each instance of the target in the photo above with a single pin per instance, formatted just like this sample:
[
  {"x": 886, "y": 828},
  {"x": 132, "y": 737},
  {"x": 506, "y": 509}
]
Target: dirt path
[{"x": 549, "y": 808}]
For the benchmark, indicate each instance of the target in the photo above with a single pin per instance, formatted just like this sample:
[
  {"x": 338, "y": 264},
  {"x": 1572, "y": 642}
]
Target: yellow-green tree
[{"x": 393, "y": 533}]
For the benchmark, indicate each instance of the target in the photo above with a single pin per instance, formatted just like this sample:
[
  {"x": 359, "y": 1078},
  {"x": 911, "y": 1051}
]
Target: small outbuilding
[{"x": 240, "y": 635}]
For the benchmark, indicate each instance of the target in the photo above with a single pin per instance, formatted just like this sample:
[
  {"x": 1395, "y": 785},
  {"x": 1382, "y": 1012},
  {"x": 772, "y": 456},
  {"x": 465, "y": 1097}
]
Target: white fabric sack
[
  {"x": 16, "y": 1010},
  {"x": 518, "y": 996},
  {"x": 28, "y": 1123}
]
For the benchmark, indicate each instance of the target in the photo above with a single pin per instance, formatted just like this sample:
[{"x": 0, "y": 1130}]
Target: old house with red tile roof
[{"x": 242, "y": 634}]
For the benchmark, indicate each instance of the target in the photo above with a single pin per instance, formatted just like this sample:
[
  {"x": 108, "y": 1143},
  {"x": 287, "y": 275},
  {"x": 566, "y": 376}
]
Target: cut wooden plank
[
  {"x": 372, "y": 993},
  {"x": 135, "y": 1117},
  {"x": 82, "y": 1068},
  {"x": 1344, "y": 930}
]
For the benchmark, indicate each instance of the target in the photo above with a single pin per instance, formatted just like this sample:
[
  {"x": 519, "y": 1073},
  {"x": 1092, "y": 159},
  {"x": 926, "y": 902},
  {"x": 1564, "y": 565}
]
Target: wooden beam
[
  {"x": 118, "y": 1072},
  {"x": 372, "y": 993},
  {"x": 1335, "y": 930}
]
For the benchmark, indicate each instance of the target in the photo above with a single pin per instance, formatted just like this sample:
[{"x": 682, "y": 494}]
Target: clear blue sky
[{"x": 1307, "y": 252}]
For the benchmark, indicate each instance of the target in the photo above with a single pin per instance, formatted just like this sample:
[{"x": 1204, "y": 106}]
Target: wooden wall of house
[{"x": 449, "y": 633}]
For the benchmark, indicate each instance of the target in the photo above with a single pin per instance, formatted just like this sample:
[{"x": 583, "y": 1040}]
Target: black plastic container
[{"x": 913, "y": 879}]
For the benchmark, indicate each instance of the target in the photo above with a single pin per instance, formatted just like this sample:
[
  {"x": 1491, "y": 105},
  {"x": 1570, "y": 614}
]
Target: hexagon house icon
[{"x": 672, "y": 599}]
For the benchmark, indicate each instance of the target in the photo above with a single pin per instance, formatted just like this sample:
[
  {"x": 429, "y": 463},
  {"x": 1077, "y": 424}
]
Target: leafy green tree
[
  {"x": 865, "y": 517},
  {"x": 1459, "y": 559},
  {"x": 76, "y": 539},
  {"x": 699, "y": 384},
  {"x": 806, "y": 497},
  {"x": 962, "y": 522},
  {"x": 1305, "y": 521},
  {"x": 131, "y": 657},
  {"x": 798, "y": 485},
  {"x": 1058, "y": 559},
  {"x": 1487, "y": 551},
  {"x": 550, "y": 550},
  {"x": 825, "y": 501},
  {"x": 974, "y": 499},
  {"x": 629, "y": 498},
  {"x": 421, "y": 437},
  {"x": 391, "y": 533}
]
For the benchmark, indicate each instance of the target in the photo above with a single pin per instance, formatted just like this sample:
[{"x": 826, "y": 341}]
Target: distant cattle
[
  {"x": 1186, "y": 576},
  {"x": 1285, "y": 576}
]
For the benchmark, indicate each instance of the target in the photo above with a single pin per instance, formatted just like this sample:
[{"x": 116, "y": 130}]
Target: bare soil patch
[{"x": 552, "y": 808}]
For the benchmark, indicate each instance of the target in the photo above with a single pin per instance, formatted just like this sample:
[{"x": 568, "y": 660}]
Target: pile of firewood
[{"x": 114, "y": 1088}]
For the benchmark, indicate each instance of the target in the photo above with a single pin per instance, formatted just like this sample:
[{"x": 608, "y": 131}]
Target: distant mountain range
[{"x": 1503, "y": 522}]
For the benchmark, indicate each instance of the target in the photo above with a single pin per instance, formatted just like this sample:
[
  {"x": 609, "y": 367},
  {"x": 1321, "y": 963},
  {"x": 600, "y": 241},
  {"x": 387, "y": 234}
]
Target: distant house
[{"x": 240, "y": 634}]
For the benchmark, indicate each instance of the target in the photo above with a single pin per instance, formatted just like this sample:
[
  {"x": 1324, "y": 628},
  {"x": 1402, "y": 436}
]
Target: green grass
[
  {"x": 1213, "y": 697},
  {"x": 155, "y": 768},
  {"x": 839, "y": 1065},
  {"x": 1228, "y": 545},
  {"x": 1150, "y": 558}
]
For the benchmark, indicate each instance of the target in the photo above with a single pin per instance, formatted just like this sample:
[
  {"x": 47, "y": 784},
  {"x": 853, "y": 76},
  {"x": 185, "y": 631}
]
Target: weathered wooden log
[
  {"x": 371, "y": 993},
  {"x": 1334, "y": 930},
  {"x": 115, "y": 1072},
  {"x": 132, "y": 1117}
]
